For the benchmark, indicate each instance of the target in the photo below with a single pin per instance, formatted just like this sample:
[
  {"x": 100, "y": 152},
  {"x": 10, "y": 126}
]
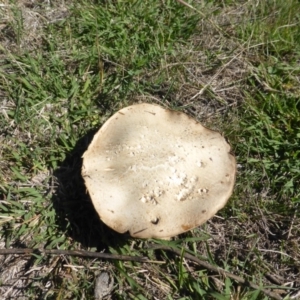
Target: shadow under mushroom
[{"x": 75, "y": 212}]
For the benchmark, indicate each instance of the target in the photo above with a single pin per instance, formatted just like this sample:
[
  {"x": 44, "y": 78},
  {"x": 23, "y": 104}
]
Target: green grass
[{"x": 65, "y": 69}]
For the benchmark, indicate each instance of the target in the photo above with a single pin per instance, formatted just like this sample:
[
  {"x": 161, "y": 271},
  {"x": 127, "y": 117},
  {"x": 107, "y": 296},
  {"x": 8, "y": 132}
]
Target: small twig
[
  {"x": 217, "y": 270},
  {"x": 278, "y": 252},
  {"x": 274, "y": 279},
  {"x": 292, "y": 222},
  {"x": 204, "y": 88},
  {"x": 108, "y": 256},
  {"x": 202, "y": 14}
]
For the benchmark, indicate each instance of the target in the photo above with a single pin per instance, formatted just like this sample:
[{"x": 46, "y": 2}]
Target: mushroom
[{"x": 156, "y": 173}]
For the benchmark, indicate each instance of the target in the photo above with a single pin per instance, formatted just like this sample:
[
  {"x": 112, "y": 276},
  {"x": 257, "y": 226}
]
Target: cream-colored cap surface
[{"x": 156, "y": 173}]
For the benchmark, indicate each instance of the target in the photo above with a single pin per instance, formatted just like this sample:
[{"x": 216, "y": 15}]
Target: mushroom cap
[{"x": 156, "y": 172}]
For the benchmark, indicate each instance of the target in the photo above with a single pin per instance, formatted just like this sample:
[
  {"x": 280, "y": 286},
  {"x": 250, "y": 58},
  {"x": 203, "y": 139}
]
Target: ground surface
[{"x": 66, "y": 66}]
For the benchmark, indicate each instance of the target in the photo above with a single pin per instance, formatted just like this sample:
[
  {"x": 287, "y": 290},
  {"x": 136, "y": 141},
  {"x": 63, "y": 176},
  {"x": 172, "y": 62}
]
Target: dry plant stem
[
  {"x": 217, "y": 270},
  {"x": 292, "y": 223},
  {"x": 215, "y": 76},
  {"x": 108, "y": 256},
  {"x": 202, "y": 14}
]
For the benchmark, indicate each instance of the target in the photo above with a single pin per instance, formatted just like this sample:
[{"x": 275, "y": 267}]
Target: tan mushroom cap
[{"x": 157, "y": 173}]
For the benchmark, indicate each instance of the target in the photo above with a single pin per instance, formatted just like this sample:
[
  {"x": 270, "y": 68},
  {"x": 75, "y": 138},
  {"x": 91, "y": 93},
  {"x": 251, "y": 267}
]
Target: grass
[{"x": 66, "y": 67}]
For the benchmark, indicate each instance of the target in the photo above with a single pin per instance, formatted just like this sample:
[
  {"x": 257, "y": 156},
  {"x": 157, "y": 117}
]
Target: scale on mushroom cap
[{"x": 156, "y": 173}]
